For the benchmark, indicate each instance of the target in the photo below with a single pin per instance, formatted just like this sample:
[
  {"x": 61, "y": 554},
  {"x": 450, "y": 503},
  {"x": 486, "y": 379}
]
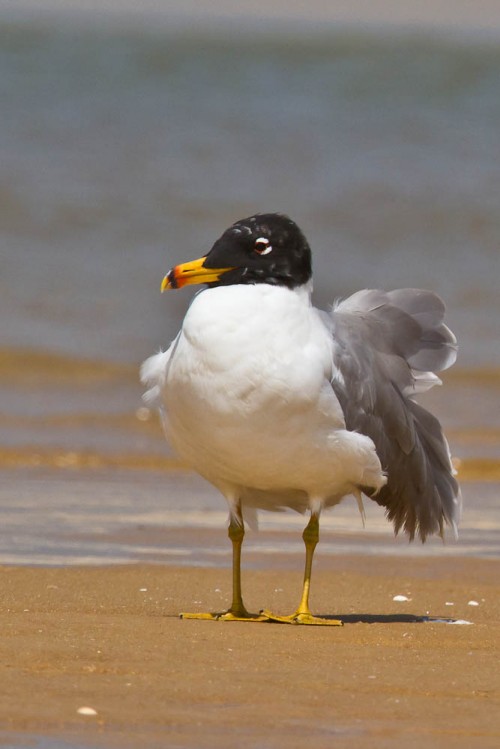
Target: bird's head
[{"x": 266, "y": 248}]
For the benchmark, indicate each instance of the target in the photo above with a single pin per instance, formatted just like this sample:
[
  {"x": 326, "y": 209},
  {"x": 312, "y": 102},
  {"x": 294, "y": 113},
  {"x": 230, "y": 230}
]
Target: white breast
[{"x": 246, "y": 389}]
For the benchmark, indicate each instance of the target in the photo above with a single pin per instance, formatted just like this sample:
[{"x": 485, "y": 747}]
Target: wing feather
[{"x": 387, "y": 348}]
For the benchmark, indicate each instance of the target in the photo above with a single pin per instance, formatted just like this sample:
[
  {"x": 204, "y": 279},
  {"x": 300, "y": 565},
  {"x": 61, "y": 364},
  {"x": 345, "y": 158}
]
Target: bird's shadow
[{"x": 388, "y": 618}]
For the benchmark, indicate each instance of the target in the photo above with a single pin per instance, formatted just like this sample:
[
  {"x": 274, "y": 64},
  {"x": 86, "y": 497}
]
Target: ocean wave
[
  {"x": 38, "y": 367},
  {"x": 35, "y": 456}
]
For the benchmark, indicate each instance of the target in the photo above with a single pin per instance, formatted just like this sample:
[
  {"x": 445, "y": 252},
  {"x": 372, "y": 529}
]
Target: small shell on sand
[
  {"x": 401, "y": 598},
  {"x": 86, "y": 711}
]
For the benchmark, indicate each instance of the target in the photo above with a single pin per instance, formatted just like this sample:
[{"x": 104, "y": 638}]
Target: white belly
[{"x": 248, "y": 398}]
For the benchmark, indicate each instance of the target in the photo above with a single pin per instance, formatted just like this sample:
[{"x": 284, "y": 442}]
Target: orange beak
[{"x": 191, "y": 273}]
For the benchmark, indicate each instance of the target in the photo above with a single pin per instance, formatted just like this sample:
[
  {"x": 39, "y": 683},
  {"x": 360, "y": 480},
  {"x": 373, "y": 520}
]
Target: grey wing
[{"x": 387, "y": 348}]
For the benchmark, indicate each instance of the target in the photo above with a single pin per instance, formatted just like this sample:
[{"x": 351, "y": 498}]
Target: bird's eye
[{"x": 262, "y": 246}]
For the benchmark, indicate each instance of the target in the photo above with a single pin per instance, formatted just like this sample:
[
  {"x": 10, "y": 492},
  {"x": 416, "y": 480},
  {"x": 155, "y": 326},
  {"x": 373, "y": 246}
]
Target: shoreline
[
  {"x": 68, "y": 516},
  {"x": 109, "y": 638}
]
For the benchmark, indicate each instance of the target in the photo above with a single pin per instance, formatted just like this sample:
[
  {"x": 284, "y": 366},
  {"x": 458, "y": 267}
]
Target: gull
[{"x": 281, "y": 405}]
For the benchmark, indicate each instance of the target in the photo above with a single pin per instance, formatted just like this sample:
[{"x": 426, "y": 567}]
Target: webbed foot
[
  {"x": 226, "y": 616},
  {"x": 301, "y": 618}
]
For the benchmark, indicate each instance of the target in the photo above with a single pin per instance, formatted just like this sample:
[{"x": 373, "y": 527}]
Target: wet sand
[{"x": 110, "y": 639}]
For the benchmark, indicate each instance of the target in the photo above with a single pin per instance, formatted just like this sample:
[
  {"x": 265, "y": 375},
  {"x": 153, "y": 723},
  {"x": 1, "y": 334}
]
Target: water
[
  {"x": 13, "y": 741},
  {"x": 125, "y": 516},
  {"x": 125, "y": 151}
]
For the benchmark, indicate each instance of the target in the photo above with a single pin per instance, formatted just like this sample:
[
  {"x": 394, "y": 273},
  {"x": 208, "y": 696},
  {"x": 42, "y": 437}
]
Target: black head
[{"x": 265, "y": 248}]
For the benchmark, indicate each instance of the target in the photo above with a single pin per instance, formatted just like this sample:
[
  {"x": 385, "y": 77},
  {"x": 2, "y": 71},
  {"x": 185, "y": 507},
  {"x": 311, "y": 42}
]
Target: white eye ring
[{"x": 262, "y": 246}]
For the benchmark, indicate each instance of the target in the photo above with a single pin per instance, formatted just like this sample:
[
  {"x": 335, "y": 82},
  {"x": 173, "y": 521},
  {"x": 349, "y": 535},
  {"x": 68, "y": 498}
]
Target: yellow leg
[
  {"x": 237, "y": 612},
  {"x": 303, "y": 614}
]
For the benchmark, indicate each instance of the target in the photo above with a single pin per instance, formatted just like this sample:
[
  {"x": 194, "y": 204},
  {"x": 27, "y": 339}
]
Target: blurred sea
[{"x": 126, "y": 151}]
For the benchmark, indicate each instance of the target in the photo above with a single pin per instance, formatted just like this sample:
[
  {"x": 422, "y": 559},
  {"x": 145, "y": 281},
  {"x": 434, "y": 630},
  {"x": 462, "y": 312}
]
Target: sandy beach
[{"x": 110, "y": 639}]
